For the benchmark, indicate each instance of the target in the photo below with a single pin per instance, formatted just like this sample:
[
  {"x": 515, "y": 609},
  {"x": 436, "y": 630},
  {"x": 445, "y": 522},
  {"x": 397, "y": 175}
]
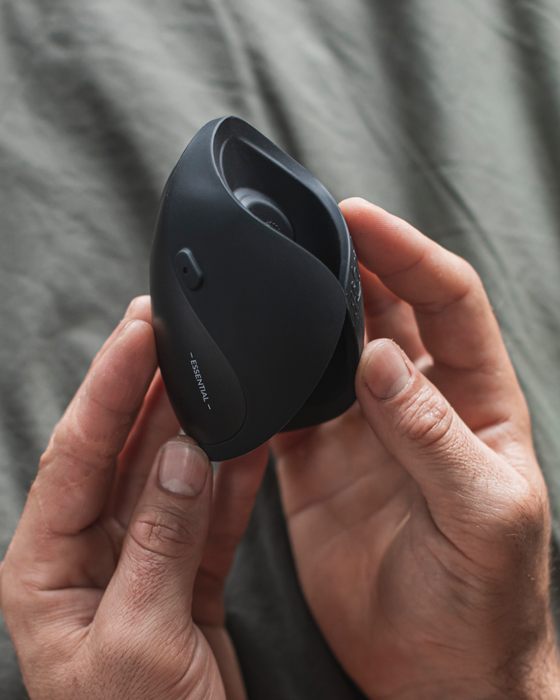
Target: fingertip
[
  {"x": 367, "y": 221},
  {"x": 136, "y": 336},
  {"x": 356, "y": 206},
  {"x": 139, "y": 308},
  {"x": 384, "y": 369},
  {"x": 182, "y": 468},
  {"x": 353, "y": 202}
]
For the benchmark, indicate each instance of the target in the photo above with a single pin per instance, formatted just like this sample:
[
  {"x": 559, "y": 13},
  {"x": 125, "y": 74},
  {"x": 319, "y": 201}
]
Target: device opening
[{"x": 268, "y": 187}]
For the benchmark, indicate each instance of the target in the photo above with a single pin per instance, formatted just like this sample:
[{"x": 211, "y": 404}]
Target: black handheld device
[{"x": 256, "y": 297}]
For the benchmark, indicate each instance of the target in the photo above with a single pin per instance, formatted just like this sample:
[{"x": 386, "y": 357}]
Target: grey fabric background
[{"x": 445, "y": 112}]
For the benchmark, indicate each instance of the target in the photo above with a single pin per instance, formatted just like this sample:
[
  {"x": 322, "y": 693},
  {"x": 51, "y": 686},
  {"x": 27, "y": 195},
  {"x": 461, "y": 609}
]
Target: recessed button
[{"x": 188, "y": 268}]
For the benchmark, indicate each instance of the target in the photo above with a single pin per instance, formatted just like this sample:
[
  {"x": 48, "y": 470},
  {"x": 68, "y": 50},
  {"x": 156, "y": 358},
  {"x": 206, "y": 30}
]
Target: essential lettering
[{"x": 198, "y": 377}]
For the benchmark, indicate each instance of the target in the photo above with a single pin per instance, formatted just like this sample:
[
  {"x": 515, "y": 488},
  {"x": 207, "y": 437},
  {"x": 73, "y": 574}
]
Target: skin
[
  {"x": 419, "y": 520},
  {"x": 112, "y": 585}
]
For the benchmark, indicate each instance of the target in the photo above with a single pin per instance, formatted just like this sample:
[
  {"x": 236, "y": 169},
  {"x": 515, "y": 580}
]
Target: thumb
[
  {"x": 419, "y": 427},
  {"x": 154, "y": 579}
]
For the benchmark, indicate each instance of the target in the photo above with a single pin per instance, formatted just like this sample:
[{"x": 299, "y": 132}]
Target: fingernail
[
  {"x": 182, "y": 468},
  {"x": 386, "y": 373}
]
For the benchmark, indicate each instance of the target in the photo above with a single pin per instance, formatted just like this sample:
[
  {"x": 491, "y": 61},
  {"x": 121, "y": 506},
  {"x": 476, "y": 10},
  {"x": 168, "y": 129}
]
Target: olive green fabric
[{"x": 445, "y": 112}]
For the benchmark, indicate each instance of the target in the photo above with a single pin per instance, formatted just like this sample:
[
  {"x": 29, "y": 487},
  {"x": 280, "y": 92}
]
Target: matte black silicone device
[{"x": 256, "y": 297}]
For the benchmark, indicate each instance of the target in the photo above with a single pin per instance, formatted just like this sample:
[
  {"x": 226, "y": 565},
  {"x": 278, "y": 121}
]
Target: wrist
[
  {"x": 541, "y": 680},
  {"x": 524, "y": 680}
]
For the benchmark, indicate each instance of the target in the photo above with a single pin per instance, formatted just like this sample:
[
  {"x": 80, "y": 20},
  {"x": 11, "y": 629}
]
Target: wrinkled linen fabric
[{"x": 445, "y": 112}]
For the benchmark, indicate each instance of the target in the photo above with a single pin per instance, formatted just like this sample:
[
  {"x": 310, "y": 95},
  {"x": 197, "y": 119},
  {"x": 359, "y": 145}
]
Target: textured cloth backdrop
[{"x": 445, "y": 112}]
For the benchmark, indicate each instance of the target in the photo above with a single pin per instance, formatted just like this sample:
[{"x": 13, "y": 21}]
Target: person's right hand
[{"x": 419, "y": 519}]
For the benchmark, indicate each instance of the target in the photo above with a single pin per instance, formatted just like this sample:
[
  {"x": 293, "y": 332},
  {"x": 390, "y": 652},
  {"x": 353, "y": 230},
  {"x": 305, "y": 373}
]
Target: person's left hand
[{"x": 118, "y": 565}]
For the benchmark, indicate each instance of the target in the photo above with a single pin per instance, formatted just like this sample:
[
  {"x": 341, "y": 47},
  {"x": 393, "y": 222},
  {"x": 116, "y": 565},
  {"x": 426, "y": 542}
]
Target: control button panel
[
  {"x": 354, "y": 289},
  {"x": 188, "y": 268}
]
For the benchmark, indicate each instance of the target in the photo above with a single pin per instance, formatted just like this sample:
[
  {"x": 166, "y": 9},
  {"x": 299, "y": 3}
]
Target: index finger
[
  {"x": 455, "y": 319},
  {"x": 76, "y": 471}
]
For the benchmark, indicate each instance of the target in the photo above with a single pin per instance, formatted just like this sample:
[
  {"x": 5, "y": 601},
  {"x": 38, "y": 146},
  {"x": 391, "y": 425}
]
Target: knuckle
[
  {"x": 527, "y": 519},
  {"x": 466, "y": 281},
  {"x": 164, "y": 532},
  {"x": 468, "y": 277},
  {"x": 16, "y": 597},
  {"x": 517, "y": 530},
  {"x": 427, "y": 420},
  {"x": 48, "y": 455}
]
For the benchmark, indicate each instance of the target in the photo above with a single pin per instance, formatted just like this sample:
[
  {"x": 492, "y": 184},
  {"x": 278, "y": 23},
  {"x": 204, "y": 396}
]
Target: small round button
[{"x": 189, "y": 269}]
